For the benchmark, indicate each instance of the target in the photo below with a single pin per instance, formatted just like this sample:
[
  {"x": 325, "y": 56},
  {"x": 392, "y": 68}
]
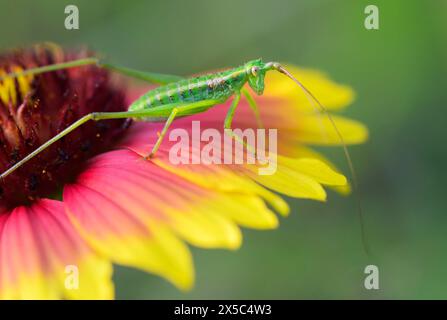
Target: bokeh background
[{"x": 399, "y": 74}]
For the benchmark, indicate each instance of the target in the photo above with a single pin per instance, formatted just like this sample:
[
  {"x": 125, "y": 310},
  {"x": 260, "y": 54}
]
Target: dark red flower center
[{"x": 35, "y": 108}]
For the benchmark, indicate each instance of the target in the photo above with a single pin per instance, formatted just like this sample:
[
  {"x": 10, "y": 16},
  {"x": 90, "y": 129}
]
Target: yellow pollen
[
  {"x": 8, "y": 92},
  {"x": 24, "y": 81}
]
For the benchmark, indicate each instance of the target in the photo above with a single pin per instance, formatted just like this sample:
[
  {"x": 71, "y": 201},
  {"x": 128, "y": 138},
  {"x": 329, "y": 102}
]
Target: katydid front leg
[
  {"x": 229, "y": 120},
  {"x": 162, "y": 134},
  {"x": 253, "y": 106}
]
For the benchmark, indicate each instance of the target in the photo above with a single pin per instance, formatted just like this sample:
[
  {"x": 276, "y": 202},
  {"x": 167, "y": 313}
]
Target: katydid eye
[{"x": 254, "y": 71}]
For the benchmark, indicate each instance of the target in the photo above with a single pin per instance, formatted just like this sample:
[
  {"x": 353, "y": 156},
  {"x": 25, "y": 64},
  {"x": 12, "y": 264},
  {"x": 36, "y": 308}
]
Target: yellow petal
[
  {"x": 332, "y": 95},
  {"x": 304, "y": 152},
  {"x": 210, "y": 230},
  {"x": 160, "y": 252},
  {"x": 315, "y": 169},
  {"x": 95, "y": 280},
  {"x": 223, "y": 179},
  {"x": 249, "y": 211},
  {"x": 289, "y": 182},
  {"x": 319, "y": 130}
]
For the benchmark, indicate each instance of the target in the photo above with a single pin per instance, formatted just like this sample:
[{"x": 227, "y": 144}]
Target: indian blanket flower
[{"x": 92, "y": 200}]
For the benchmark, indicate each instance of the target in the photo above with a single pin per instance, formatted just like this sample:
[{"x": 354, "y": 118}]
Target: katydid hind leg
[
  {"x": 51, "y": 67},
  {"x": 183, "y": 109},
  {"x": 91, "y": 116},
  {"x": 151, "y": 77}
]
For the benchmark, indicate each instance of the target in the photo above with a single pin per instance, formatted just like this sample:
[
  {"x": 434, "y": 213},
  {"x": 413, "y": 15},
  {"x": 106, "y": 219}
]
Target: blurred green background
[{"x": 399, "y": 75}]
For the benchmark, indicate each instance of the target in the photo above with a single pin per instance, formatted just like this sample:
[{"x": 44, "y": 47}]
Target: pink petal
[{"x": 37, "y": 244}]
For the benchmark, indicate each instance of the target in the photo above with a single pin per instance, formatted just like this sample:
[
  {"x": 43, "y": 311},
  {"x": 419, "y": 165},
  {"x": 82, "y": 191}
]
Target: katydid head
[{"x": 256, "y": 72}]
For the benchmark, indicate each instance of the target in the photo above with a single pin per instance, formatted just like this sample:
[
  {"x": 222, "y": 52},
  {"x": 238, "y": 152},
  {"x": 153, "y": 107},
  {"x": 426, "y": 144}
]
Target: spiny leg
[
  {"x": 51, "y": 67},
  {"x": 151, "y": 77},
  {"x": 163, "y": 133},
  {"x": 183, "y": 109},
  {"x": 162, "y": 111},
  {"x": 228, "y": 121},
  {"x": 254, "y": 106},
  {"x": 156, "y": 78},
  {"x": 73, "y": 126}
]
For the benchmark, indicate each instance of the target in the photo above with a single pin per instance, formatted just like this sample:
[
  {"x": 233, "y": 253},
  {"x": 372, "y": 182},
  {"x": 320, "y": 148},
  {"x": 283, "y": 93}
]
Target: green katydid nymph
[
  {"x": 179, "y": 97},
  {"x": 176, "y": 97}
]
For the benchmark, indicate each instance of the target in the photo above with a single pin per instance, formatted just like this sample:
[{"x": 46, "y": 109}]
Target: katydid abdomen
[{"x": 219, "y": 86}]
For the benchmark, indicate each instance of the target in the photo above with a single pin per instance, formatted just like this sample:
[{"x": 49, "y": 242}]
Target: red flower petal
[{"x": 37, "y": 244}]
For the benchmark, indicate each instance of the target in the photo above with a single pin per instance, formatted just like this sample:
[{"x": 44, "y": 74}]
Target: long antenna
[{"x": 313, "y": 99}]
